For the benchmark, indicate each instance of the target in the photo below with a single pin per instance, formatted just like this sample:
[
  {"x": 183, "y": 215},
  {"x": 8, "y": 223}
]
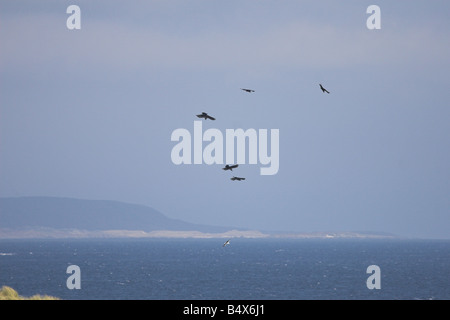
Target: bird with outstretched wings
[
  {"x": 248, "y": 90},
  {"x": 205, "y": 116},
  {"x": 237, "y": 178},
  {"x": 228, "y": 167},
  {"x": 323, "y": 89},
  {"x": 226, "y": 243}
]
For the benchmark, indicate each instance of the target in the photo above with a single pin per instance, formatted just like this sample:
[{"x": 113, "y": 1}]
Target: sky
[{"x": 89, "y": 113}]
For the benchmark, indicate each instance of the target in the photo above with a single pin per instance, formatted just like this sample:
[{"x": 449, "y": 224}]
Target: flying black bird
[
  {"x": 237, "y": 178},
  {"x": 248, "y": 90},
  {"x": 226, "y": 243},
  {"x": 205, "y": 116},
  {"x": 228, "y": 167},
  {"x": 323, "y": 89}
]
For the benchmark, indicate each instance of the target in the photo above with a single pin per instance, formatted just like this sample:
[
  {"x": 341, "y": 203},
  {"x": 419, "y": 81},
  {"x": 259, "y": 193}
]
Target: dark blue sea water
[{"x": 246, "y": 269}]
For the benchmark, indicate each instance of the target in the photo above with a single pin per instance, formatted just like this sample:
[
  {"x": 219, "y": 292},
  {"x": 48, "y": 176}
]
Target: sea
[{"x": 246, "y": 269}]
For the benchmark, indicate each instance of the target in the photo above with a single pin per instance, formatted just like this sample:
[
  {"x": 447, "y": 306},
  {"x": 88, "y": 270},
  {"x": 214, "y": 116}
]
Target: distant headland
[{"x": 52, "y": 217}]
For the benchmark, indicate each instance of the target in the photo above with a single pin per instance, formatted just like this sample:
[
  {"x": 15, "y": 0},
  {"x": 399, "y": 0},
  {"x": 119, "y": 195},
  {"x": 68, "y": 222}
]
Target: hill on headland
[
  {"x": 52, "y": 213},
  {"x": 52, "y": 217}
]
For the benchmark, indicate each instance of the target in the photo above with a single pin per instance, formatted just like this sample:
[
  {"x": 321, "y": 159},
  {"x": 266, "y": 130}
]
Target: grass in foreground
[{"x": 8, "y": 293}]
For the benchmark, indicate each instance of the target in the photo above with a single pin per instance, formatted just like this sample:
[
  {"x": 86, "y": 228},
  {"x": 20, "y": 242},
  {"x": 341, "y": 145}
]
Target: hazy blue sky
[{"x": 89, "y": 113}]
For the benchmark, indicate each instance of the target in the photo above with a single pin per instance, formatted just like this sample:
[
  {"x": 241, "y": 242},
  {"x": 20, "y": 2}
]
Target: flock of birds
[{"x": 206, "y": 116}]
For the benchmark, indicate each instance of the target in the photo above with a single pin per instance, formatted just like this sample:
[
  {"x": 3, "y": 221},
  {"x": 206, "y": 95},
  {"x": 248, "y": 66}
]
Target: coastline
[{"x": 49, "y": 233}]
